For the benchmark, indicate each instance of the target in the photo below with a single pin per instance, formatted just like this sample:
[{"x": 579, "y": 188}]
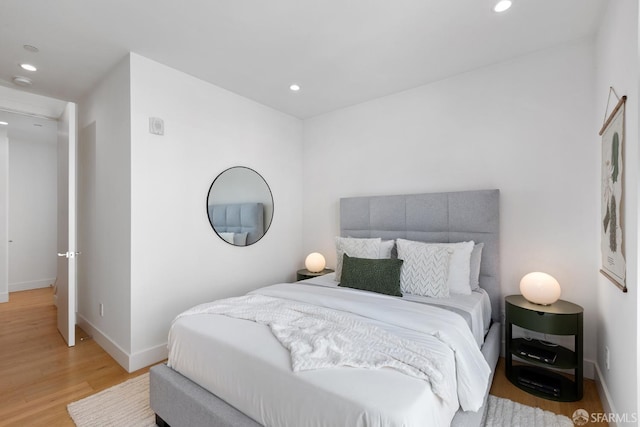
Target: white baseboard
[
  {"x": 33, "y": 284},
  {"x": 4, "y": 297},
  {"x": 148, "y": 357},
  {"x": 605, "y": 396},
  {"x": 130, "y": 362},
  {"x": 588, "y": 369},
  {"x": 103, "y": 340}
]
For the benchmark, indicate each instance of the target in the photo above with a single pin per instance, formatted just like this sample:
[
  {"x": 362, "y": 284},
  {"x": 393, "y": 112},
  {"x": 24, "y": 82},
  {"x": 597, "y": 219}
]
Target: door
[
  {"x": 4, "y": 216},
  {"x": 67, "y": 251}
]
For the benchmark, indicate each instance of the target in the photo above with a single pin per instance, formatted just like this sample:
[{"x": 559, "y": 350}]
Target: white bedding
[
  {"x": 475, "y": 308},
  {"x": 243, "y": 363}
]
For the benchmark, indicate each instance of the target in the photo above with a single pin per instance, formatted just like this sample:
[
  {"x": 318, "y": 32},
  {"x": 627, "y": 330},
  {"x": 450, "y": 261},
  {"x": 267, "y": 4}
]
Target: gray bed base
[
  {"x": 179, "y": 402},
  {"x": 433, "y": 217}
]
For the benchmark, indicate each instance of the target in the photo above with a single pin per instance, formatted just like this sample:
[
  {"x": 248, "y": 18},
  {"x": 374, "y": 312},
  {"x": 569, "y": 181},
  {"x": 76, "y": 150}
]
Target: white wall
[
  {"x": 33, "y": 171},
  {"x": 104, "y": 212},
  {"x": 523, "y": 126},
  {"x": 617, "y": 312},
  {"x": 148, "y": 251},
  {"x": 4, "y": 216},
  {"x": 176, "y": 258}
]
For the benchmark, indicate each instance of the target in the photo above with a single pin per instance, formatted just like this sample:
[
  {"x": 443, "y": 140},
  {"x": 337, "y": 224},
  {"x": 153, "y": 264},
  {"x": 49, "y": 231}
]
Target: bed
[
  {"x": 239, "y": 224},
  {"x": 252, "y": 371}
]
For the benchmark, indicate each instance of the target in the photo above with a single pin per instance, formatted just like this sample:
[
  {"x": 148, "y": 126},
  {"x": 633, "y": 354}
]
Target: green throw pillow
[{"x": 375, "y": 275}]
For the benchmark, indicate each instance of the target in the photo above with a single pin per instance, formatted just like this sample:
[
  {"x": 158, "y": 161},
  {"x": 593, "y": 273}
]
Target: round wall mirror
[{"x": 240, "y": 206}]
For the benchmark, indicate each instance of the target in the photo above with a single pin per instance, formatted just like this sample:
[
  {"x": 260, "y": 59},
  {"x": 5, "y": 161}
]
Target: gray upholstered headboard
[
  {"x": 433, "y": 217},
  {"x": 239, "y": 218}
]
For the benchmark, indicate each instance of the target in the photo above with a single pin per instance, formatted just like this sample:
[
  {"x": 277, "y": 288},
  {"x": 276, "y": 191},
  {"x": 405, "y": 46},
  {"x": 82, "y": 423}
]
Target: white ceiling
[{"x": 341, "y": 52}]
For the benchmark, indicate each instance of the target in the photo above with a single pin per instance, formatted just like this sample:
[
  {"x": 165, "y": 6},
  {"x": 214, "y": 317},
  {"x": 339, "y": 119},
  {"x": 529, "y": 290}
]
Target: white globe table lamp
[
  {"x": 540, "y": 288},
  {"x": 315, "y": 262}
]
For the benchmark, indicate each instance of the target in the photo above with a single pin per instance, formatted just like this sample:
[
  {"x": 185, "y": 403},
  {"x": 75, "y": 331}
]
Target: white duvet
[{"x": 429, "y": 358}]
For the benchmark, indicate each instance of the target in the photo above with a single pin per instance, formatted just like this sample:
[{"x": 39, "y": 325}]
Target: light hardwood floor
[{"x": 40, "y": 375}]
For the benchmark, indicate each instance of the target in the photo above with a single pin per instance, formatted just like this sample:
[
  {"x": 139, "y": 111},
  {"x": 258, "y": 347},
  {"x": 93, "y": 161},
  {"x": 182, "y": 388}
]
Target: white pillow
[
  {"x": 476, "y": 258},
  {"x": 236, "y": 239},
  {"x": 358, "y": 248},
  {"x": 386, "y": 246},
  {"x": 425, "y": 269},
  {"x": 240, "y": 239},
  {"x": 228, "y": 237},
  {"x": 459, "y": 266}
]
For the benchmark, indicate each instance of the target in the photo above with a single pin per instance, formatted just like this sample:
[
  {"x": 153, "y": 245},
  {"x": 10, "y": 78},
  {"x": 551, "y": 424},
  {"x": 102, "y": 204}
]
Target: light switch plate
[{"x": 156, "y": 126}]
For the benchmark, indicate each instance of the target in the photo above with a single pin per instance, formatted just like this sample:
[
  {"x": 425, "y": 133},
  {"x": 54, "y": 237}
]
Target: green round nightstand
[
  {"x": 306, "y": 274},
  {"x": 533, "y": 374}
]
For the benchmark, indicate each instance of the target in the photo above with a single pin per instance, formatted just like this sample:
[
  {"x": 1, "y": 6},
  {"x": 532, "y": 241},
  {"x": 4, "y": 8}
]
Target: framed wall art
[{"x": 612, "y": 192}]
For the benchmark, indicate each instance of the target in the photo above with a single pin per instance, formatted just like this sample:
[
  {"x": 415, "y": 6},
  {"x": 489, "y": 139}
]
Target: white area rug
[
  {"x": 123, "y": 405},
  {"x": 127, "y": 405},
  {"x": 505, "y": 413}
]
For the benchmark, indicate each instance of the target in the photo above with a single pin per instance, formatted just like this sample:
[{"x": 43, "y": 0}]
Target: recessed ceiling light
[
  {"x": 295, "y": 87},
  {"x": 22, "y": 81},
  {"x": 502, "y": 5},
  {"x": 31, "y": 48},
  {"x": 28, "y": 67},
  {"x": 4, "y": 123}
]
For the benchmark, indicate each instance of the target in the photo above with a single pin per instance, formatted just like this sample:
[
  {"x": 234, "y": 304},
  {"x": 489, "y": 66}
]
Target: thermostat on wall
[{"x": 156, "y": 126}]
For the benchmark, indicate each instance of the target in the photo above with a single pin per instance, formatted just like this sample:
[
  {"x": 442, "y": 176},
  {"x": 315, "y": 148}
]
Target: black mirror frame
[{"x": 267, "y": 226}]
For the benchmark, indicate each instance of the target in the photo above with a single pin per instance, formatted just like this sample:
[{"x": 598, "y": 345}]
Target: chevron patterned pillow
[
  {"x": 359, "y": 248},
  {"x": 425, "y": 269}
]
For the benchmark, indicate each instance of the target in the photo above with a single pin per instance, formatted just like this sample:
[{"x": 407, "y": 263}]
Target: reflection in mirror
[{"x": 240, "y": 206}]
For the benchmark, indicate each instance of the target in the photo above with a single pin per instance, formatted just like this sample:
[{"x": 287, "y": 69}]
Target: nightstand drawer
[{"x": 548, "y": 323}]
